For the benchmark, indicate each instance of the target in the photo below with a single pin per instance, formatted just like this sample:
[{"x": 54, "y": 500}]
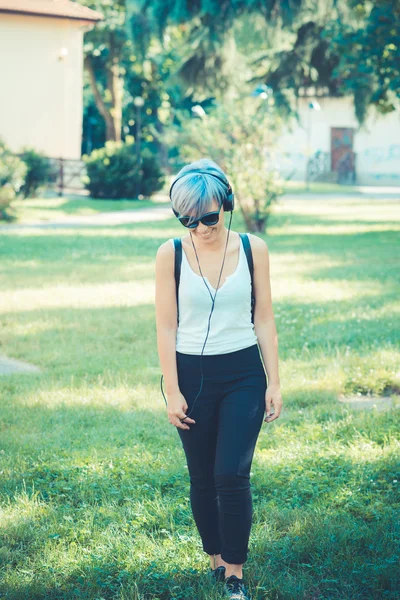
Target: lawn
[
  {"x": 57, "y": 208},
  {"x": 318, "y": 187},
  {"x": 94, "y": 487}
]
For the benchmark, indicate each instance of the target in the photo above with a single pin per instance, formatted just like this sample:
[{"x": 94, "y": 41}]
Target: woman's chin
[{"x": 205, "y": 236}]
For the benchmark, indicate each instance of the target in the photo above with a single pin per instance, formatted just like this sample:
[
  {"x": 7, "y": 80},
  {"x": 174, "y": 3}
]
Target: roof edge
[{"x": 14, "y": 11}]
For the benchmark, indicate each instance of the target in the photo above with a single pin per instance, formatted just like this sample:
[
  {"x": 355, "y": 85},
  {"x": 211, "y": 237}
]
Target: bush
[
  {"x": 12, "y": 177},
  {"x": 39, "y": 172},
  {"x": 113, "y": 172}
]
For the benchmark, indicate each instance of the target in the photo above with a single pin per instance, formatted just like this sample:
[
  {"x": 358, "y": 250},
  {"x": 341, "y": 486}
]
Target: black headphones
[{"x": 229, "y": 200}]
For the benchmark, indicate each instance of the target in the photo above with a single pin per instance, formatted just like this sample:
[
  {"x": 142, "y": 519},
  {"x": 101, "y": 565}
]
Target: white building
[
  {"x": 329, "y": 130},
  {"x": 41, "y": 74}
]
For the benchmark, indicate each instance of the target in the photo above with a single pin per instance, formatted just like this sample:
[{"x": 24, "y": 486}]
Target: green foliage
[
  {"x": 307, "y": 63},
  {"x": 218, "y": 14},
  {"x": 125, "y": 58},
  {"x": 170, "y": 50},
  {"x": 12, "y": 177},
  {"x": 240, "y": 136},
  {"x": 289, "y": 53},
  {"x": 369, "y": 51},
  {"x": 39, "y": 172},
  {"x": 113, "y": 172}
]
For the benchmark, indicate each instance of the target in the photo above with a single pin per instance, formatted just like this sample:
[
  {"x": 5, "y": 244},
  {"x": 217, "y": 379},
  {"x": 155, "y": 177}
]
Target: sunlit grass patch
[
  {"x": 321, "y": 187},
  {"x": 80, "y": 296},
  {"x": 58, "y": 208}
]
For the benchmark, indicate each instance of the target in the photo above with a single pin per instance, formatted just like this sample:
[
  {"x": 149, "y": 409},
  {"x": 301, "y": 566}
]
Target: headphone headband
[{"x": 229, "y": 200}]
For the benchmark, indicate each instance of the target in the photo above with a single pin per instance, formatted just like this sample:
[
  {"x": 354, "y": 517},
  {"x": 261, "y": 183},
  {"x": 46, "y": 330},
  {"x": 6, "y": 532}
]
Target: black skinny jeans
[{"x": 219, "y": 447}]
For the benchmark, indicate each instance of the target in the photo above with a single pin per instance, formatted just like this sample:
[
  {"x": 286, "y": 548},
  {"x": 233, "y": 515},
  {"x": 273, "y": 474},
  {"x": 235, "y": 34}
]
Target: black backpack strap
[
  {"x": 249, "y": 255},
  {"x": 177, "y": 269}
]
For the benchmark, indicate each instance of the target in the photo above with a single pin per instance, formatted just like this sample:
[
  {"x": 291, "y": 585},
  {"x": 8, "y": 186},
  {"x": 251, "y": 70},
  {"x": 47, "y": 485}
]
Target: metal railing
[{"x": 68, "y": 175}]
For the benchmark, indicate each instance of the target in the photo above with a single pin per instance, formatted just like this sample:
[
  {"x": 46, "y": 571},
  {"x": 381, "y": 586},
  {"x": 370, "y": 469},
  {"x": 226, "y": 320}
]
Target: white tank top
[{"x": 231, "y": 328}]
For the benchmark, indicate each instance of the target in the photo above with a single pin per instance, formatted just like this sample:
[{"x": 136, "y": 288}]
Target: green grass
[
  {"x": 57, "y": 208},
  {"x": 318, "y": 187},
  {"x": 94, "y": 488}
]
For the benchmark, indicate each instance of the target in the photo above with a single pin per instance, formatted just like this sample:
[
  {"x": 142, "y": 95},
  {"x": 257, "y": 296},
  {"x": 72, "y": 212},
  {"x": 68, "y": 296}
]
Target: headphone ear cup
[{"x": 229, "y": 201}]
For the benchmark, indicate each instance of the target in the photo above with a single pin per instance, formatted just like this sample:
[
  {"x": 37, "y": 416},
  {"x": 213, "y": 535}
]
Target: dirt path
[
  {"x": 104, "y": 219},
  {"x": 10, "y": 366}
]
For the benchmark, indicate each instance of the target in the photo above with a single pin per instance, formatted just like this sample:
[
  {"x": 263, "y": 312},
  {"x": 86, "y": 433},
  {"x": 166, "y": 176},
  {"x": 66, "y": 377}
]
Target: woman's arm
[
  {"x": 166, "y": 316},
  {"x": 166, "y": 323},
  {"x": 264, "y": 319}
]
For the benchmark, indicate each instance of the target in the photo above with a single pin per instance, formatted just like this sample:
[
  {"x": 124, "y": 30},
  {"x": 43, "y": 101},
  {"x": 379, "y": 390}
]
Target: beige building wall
[
  {"x": 376, "y": 144},
  {"x": 41, "y": 64}
]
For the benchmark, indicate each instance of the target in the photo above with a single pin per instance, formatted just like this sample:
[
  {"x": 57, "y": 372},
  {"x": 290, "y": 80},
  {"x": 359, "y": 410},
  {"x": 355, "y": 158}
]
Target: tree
[
  {"x": 240, "y": 136},
  {"x": 169, "y": 51},
  {"x": 106, "y": 54},
  {"x": 369, "y": 51},
  {"x": 330, "y": 47},
  {"x": 124, "y": 58},
  {"x": 279, "y": 43},
  {"x": 209, "y": 63},
  {"x": 305, "y": 64}
]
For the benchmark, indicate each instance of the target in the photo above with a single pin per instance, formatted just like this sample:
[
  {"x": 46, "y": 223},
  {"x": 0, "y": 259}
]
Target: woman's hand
[
  {"x": 176, "y": 409},
  {"x": 273, "y": 398}
]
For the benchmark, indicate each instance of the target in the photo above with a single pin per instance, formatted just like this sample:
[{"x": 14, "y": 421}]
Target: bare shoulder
[
  {"x": 166, "y": 249},
  {"x": 165, "y": 254},
  {"x": 260, "y": 253},
  {"x": 258, "y": 245}
]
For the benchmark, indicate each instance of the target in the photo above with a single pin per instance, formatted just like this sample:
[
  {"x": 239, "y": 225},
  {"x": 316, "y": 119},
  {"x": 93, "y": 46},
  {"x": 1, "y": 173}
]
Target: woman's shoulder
[
  {"x": 166, "y": 251},
  {"x": 257, "y": 244},
  {"x": 259, "y": 250},
  {"x": 167, "y": 244},
  {"x": 256, "y": 241}
]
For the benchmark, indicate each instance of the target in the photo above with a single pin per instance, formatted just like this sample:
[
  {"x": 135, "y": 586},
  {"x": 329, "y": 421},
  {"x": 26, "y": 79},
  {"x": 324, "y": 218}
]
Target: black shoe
[
  {"x": 235, "y": 589},
  {"x": 218, "y": 574}
]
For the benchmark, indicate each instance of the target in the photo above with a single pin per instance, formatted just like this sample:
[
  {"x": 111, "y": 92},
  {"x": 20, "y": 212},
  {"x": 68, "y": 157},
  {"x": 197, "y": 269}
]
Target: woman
[{"x": 209, "y": 352}]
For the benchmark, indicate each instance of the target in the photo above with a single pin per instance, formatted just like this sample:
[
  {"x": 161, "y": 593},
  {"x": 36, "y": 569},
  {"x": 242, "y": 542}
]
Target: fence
[{"x": 68, "y": 175}]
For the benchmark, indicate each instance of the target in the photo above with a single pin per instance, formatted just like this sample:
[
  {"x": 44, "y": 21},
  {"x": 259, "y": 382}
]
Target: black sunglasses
[{"x": 208, "y": 219}]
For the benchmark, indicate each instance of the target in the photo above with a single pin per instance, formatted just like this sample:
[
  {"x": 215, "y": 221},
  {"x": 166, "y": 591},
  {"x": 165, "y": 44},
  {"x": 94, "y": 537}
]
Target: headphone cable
[{"x": 213, "y": 298}]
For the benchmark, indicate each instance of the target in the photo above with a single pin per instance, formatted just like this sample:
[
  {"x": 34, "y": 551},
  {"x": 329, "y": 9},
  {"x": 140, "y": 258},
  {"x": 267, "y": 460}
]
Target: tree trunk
[
  {"x": 259, "y": 225},
  {"x": 253, "y": 222},
  {"x": 245, "y": 215},
  {"x": 113, "y": 116},
  {"x": 115, "y": 84}
]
